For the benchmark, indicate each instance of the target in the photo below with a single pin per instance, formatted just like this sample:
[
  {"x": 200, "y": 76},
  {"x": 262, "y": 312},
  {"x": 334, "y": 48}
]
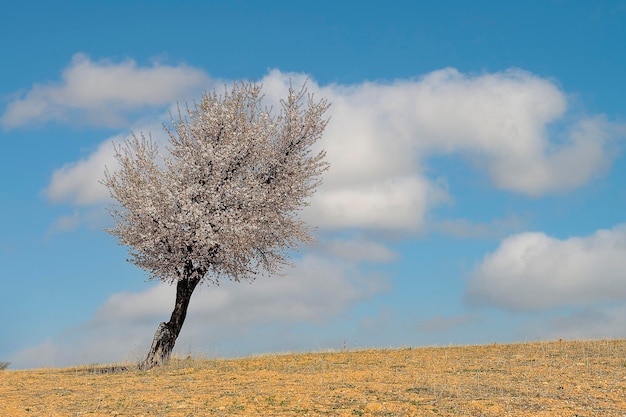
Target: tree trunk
[{"x": 167, "y": 333}]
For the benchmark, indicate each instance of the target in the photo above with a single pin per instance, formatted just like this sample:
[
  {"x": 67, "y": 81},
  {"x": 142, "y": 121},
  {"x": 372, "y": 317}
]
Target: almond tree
[{"x": 222, "y": 202}]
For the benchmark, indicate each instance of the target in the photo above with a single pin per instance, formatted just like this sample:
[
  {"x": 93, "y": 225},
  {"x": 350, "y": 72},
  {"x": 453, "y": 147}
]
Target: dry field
[{"x": 569, "y": 379}]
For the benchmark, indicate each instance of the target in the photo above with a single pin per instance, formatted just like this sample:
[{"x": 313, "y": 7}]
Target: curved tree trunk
[{"x": 167, "y": 333}]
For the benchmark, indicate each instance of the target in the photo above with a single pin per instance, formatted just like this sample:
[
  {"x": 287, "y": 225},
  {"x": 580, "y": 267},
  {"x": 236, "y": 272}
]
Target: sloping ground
[{"x": 536, "y": 379}]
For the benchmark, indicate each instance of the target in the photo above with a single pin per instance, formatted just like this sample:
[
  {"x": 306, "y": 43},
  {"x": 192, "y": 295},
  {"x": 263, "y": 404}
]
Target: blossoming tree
[{"x": 222, "y": 202}]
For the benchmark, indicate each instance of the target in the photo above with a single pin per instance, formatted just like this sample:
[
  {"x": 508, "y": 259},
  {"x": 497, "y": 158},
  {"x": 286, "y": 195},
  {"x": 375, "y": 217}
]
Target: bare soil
[{"x": 572, "y": 379}]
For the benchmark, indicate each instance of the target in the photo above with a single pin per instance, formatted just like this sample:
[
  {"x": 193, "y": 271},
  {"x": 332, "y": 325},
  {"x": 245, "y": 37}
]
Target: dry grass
[{"x": 586, "y": 378}]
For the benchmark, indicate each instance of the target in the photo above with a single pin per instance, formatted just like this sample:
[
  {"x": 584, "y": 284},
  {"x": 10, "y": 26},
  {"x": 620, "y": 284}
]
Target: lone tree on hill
[{"x": 222, "y": 202}]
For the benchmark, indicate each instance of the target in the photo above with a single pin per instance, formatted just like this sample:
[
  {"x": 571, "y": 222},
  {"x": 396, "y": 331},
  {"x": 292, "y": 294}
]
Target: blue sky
[{"x": 476, "y": 192}]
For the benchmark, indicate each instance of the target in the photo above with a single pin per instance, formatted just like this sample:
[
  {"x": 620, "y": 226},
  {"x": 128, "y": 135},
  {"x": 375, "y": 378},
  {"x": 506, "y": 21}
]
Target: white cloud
[
  {"x": 532, "y": 271},
  {"x": 315, "y": 292},
  {"x": 78, "y": 182},
  {"x": 396, "y": 203},
  {"x": 552, "y": 167},
  {"x": 102, "y": 93},
  {"x": 381, "y": 134},
  {"x": 499, "y": 121}
]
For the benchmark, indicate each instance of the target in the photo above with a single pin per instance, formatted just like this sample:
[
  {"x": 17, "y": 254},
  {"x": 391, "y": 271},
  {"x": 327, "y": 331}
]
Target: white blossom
[{"x": 222, "y": 201}]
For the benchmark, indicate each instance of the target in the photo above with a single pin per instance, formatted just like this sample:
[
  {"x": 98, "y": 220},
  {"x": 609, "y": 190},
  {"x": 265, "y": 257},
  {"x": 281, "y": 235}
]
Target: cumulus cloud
[
  {"x": 315, "y": 292},
  {"x": 79, "y": 182},
  {"x": 381, "y": 136},
  {"x": 533, "y": 271},
  {"x": 398, "y": 203},
  {"x": 103, "y": 93}
]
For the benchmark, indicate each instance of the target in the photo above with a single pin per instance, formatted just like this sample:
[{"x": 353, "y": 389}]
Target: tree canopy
[{"x": 223, "y": 200}]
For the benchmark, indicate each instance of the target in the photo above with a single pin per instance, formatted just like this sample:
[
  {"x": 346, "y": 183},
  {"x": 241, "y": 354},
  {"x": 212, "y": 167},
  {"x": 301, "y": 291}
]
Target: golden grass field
[{"x": 584, "y": 378}]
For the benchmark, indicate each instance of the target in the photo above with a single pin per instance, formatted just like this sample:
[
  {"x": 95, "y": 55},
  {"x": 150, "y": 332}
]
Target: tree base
[
  {"x": 161, "y": 349},
  {"x": 167, "y": 333}
]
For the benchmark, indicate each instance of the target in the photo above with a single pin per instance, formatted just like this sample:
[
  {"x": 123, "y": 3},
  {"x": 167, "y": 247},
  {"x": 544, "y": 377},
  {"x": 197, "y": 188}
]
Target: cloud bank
[
  {"x": 533, "y": 271},
  {"x": 314, "y": 293},
  {"x": 510, "y": 125}
]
